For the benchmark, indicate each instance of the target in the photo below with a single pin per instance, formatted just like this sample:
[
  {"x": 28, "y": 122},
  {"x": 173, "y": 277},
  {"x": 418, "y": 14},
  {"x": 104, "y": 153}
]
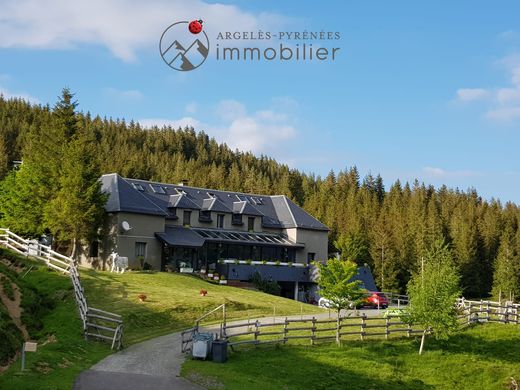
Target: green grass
[
  {"x": 50, "y": 315},
  {"x": 174, "y": 302},
  {"x": 482, "y": 357}
]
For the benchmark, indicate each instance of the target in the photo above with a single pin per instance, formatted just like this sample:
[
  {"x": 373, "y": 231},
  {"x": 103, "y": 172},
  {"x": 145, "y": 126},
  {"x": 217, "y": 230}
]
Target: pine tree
[
  {"x": 506, "y": 276},
  {"x": 76, "y": 212}
]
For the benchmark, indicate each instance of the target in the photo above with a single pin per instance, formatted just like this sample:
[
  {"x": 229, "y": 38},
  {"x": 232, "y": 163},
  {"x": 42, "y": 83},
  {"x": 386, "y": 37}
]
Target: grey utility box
[
  {"x": 219, "y": 351},
  {"x": 202, "y": 345}
]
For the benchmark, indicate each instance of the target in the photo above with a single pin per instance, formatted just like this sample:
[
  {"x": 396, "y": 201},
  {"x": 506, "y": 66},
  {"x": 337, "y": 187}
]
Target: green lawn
[
  {"x": 482, "y": 357},
  {"x": 173, "y": 304},
  {"x": 174, "y": 301}
]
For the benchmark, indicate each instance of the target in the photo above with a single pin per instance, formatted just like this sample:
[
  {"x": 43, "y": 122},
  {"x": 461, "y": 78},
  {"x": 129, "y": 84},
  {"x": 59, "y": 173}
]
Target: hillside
[
  {"x": 65, "y": 151},
  {"x": 50, "y": 315}
]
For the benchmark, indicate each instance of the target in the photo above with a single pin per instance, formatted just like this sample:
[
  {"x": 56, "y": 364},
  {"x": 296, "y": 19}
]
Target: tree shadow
[
  {"x": 310, "y": 368},
  {"x": 466, "y": 343}
]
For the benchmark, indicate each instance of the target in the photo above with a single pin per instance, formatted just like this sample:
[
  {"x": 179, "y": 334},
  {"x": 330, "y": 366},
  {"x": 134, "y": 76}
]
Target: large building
[{"x": 180, "y": 227}]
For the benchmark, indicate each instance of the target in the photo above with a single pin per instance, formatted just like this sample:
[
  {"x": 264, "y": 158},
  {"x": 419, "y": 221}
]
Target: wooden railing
[
  {"x": 315, "y": 330},
  {"x": 488, "y": 311},
  {"x": 97, "y": 323},
  {"x": 44, "y": 253}
]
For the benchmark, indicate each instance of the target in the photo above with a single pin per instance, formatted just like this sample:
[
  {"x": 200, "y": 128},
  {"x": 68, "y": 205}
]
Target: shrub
[{"x": 266, "y": 285}]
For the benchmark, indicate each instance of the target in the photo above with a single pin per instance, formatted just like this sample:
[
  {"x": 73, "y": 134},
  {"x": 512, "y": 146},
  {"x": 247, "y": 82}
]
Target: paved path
[
  {"x": 156, "y": 363},
  {"x": 153, "y": 364}
]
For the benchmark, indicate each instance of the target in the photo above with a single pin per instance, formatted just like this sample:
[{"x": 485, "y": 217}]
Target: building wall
[
  {"x": 315, "y": 241},
  {"x": 143, "y": 229}
]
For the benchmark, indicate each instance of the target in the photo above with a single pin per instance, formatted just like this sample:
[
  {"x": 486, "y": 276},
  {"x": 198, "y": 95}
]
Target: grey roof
[
  {"x": 141, "y": 196},
  {"x": 365, "y": 276},
  {"x": 180, "y": 236},
  {"x": 195, "y": 237}
]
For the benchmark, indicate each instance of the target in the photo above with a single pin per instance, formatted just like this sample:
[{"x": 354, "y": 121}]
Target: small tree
[
  {"x": 433, "y": 291},
  {"x": 336, "y": 285}
]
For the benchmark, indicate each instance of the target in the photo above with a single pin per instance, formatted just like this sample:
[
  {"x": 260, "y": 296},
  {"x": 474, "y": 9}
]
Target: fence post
[
  {"x": 487, "y": 311},
  {"x": 285, "y": 330},
  {"x": 363, "y": 324},
  {"x": 256, "y": 332},
  {"x": 387, "y": 328},
  {"x": 313, "y": 330},
  {"x": 409, "y": 330},
  {"x": 338, "y": 327}
]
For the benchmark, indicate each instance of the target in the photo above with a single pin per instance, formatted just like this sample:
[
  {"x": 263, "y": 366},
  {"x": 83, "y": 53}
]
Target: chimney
[{"x": 184, "y": 182}]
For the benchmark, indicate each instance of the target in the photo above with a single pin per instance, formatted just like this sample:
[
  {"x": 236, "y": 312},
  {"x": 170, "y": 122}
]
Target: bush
[{"x": 265, "y": 285}]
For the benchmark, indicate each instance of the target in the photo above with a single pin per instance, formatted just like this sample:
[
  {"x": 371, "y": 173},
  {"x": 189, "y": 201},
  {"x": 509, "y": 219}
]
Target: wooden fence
[
  {"x": 315, "y": 330},
  {"x": 357, "y": 326},
  {"x": 97, "y": 323},
  {"x": 488, "y": 311}
]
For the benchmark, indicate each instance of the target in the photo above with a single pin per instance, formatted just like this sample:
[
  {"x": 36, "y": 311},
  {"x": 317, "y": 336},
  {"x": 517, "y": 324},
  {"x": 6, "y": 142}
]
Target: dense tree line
[{"x": 64, "y": 151}]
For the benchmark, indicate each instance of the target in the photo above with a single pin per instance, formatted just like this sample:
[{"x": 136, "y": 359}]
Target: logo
[{"x": 184, "y": 45}]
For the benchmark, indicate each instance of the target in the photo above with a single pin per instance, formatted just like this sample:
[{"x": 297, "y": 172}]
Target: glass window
[
  {"x": 94, "y": 249},
  {"x": 186, "y": 218},
  {"x": 251, "y": 224},
  {"x": 205, "y": 216},
  {"x": 237, "y": 219},
  {"x": 220, "y": 221},
  {"x": 311, "y": 257},
  {"x": 140, "y": 249}
]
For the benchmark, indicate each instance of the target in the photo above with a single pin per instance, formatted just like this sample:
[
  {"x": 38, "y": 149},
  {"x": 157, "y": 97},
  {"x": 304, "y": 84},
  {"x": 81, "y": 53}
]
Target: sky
[{"x": 426, "y": 90}]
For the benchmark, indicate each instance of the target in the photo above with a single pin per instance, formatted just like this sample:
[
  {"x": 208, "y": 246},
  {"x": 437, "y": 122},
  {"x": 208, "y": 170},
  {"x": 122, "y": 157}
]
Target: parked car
[
  {"x": 375, "y": 299},
  {"x": 324, "y": 302}
]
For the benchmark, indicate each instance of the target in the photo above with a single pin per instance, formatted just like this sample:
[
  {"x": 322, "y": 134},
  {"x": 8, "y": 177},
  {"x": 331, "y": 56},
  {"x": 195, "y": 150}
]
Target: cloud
[
  {"x": 505, "y": 101},
  {"x": 126, "y": 95},
  {"x": 123, "y": 27},
  {"x": 161, "y": 122},
  {"x": 471, "y": 94},
  {"x": 261, "y": 132},
  {"x": 504, "y": 114},
  {"x": 20, "y": 95},
  {"x": 229, "y": 110},
  {"x": 439, "y": 173}
]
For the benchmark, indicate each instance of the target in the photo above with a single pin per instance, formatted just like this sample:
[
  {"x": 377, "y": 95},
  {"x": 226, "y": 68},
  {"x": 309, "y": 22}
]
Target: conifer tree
[{"x": 506, "y": 275}]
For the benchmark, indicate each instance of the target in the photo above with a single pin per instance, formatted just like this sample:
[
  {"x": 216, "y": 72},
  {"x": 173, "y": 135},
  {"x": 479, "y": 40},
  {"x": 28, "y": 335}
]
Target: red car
[{"x": 375, "y": 299}]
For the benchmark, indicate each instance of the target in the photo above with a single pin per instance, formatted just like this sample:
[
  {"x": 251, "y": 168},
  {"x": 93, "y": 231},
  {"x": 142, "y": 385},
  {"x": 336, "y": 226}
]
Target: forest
[{"x": 389, "y": 227}]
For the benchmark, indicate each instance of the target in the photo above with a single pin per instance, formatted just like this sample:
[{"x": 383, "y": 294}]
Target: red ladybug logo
[{"x": 195, "y": 26}]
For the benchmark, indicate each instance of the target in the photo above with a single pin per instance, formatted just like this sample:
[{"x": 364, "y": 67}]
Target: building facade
[{"x": 179, "y": 227}]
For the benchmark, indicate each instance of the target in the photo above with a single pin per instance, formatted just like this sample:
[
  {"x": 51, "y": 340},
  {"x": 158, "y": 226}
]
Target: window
[
  {"x": 94, "y": 249},
  {"x": 237, "y": 219},
  {"x": 140, "y": 249},
  {"x": 251, "y": 224},
  {"x": 158, "y": 189},
  {"x": 311, "y": 257},
  {"x": 186, "y": 218},
  {"x": 220, "y": 220},
  {"x": 138, "y": 187},
  {"x": 205, "y": 216}
]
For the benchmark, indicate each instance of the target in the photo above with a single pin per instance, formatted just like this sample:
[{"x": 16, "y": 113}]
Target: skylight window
[
  {"x": 158, "y": 189},
  {"x": 138, "y": 186}
]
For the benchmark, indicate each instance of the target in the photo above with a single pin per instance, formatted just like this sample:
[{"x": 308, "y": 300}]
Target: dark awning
[{"x": 181, "y": 236}]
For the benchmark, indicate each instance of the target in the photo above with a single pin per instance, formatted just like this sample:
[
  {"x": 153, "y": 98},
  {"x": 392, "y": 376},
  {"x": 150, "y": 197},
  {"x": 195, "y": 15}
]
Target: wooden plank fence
[
  {"x": 488, "y": 311},
  {"x": 360, "y": 327},
  {"x": 315, "y": 330},
  {"x": 97, "y": 323}
]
